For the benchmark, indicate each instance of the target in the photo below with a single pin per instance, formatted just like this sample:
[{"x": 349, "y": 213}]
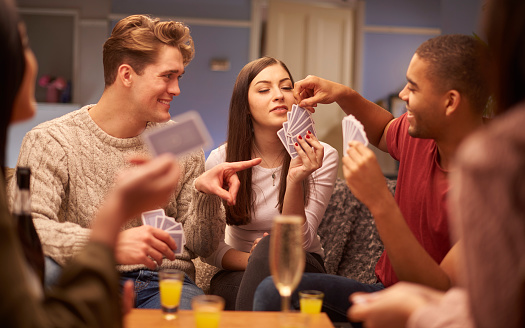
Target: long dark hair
[
  {"x": 240, "y": 142},
  {"x": 505, "y": 30},
  {"x": 12, "y": 67}
]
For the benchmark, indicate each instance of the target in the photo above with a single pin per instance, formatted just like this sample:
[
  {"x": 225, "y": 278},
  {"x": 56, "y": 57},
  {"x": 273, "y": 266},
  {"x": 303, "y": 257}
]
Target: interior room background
[{"x": 381, "y": 36}]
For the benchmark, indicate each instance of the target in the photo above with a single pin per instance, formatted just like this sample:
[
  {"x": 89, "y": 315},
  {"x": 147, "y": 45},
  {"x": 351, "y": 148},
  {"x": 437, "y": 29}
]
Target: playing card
[
  {"x": 178, "y": 237},
  {"x": 150, "y": 217},
  {"x": 175, "y": 227},
  {"x": 299, "y": 114},
  {"x": 167, "y": 223},
  {"x": 158, "y": 219},
  {"x": 282, "y": 135},
  {"x": 300, "y": 126},
  {"x": 287, "y": 142},
  {"x": 299, "y": 123},
  {"x": 353, "y": 130},
  {"x": 303, "y": 130},
  {"x": 187, "y": 134},
  {"x": 290, "y": 146},
  {"x": 360, "y": 136}
]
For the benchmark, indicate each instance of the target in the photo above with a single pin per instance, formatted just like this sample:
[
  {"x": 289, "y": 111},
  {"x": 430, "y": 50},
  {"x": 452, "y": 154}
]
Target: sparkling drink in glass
[{"x": 287, "y": 256}]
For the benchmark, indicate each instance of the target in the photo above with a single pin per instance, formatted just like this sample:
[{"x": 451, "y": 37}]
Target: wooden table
[{"x": 141, "y": 318}]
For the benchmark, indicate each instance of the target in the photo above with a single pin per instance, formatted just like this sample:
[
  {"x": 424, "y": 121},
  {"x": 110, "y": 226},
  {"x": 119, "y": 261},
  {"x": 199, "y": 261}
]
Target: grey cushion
[
  {"x": 349, "y": 237},
  {"x": 203, "y": 274}
]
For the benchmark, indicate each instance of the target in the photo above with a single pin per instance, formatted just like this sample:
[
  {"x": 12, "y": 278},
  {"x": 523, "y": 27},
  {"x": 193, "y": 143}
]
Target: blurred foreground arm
[{"x": 411, "y": 305}]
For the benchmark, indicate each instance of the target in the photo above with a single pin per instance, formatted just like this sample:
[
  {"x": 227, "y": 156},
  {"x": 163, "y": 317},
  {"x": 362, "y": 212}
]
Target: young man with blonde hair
[{"x": 75, "y": 158}]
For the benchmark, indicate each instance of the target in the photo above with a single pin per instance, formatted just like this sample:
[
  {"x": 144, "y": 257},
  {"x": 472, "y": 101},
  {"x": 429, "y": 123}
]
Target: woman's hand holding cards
[{"x": 311, "y": 153}]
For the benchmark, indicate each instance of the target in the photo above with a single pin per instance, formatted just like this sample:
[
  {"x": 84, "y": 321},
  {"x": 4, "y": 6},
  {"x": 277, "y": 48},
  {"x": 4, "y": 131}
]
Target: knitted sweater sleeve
[
  {"x": 200, "y": 214},
  {"x": 47, "y": 159}
]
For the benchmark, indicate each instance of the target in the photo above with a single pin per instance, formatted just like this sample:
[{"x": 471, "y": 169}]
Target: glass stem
[{"x": 285, "y": 303}]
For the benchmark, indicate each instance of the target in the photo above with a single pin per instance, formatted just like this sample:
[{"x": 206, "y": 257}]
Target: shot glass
[
  {"x": 170, "y": 286},
  {"x": 311, "y": 301},
  {"x": 207, "y": 310}
]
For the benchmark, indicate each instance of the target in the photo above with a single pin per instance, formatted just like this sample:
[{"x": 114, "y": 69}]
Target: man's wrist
[{"x": 382, "y": 205}]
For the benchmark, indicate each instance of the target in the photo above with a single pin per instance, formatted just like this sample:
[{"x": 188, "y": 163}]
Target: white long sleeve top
[{"x": 265, "y": 207}]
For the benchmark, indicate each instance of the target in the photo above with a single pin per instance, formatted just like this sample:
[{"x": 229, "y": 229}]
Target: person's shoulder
[
  {"x": 219, "y": 152},
  {"x": 193, "y": 157},
  {"x": 62, "y": 123},
  {"x": 496, "y": 142},
  {"x": 216, "y": 156}
]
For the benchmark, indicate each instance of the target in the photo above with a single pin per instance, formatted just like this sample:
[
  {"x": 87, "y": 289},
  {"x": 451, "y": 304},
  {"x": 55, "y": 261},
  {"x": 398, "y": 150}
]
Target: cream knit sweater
[{"x": 73, "y": 164}]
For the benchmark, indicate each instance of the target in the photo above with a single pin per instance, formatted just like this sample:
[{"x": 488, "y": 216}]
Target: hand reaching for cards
[
  {"x": 363, "y": 174},
  {"x": 222, "y": 179},
  {"x": 314, "y": 90},
  {"x": 311, "y": 153},
  {"x": 391, "y": 307}
]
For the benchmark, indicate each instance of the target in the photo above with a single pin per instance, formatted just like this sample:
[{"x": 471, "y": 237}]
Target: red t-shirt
[{"x": 421, "y": 192}]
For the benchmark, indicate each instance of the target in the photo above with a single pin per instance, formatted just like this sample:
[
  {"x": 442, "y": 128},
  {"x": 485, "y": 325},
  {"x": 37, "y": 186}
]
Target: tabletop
[{"x": 140, "y": 318}]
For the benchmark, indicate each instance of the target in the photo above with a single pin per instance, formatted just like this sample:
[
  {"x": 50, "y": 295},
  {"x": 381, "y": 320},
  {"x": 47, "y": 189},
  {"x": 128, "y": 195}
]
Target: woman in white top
[{"x": 262, "y": 96}]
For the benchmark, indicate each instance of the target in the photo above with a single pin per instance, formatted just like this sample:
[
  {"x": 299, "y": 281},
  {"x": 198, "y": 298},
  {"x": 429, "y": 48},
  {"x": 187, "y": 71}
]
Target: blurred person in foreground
[{"x": 87, "y": 294}]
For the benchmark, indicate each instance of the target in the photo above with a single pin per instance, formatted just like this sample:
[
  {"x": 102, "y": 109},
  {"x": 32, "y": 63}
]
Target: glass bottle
[{"x": 26, "y": 229}]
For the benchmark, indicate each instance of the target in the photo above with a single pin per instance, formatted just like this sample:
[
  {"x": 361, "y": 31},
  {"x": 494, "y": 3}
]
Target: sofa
[{"x": 348, "y": 235}]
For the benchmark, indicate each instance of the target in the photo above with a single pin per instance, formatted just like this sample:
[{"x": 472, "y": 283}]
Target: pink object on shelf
[{"x": 54, "y": 86}]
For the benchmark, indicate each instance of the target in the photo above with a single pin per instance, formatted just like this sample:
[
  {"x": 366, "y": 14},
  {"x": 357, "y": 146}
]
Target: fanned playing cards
[
  {"x": 353, "y": 130},
  {"x": 299, "y": 122},
  {"x": 158, "y": 219}
]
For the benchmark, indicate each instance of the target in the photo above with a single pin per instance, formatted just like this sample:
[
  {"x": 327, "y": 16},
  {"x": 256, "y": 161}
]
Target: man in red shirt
[{"x": 446, "y": 94}]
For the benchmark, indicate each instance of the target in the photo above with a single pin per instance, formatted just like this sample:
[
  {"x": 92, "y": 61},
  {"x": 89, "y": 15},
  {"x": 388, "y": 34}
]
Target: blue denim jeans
[
  {"x": 336, "y": 291},
  {"x": 52, "y": 273},
  {"x": 147, "y": 289}
]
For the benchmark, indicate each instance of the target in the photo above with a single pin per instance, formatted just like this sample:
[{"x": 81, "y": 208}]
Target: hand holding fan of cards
[
  {"x": 299, "y": 123},
  {"x": 353, "y": 130},
  {"x": 158, "y": 219}
]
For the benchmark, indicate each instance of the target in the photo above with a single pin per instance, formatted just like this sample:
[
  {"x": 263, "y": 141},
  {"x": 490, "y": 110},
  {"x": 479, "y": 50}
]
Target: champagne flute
[{"x": 286, "y": 256}]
